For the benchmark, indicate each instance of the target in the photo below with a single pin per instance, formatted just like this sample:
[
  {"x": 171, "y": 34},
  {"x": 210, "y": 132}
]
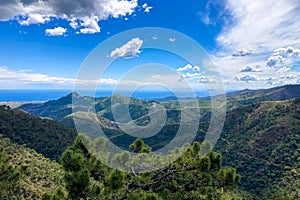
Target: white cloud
[
  {"x": 185, "y": 68},
  {"x": 288, "y": 51},
  {"x": 41, "y": 11},
  {"x": 242, "y": 52},
  {"x": 155, "y": 37},
  {"x": 260, "y": 25},
  {"x": 275, "y": 60},
  {"x": 288, "y": 76},
  {"x": 281, "y": 55},
  {"x": 263, "y": 27},
  {"x": 146, "y": 8},
  {"x": 190, "y": 76},
  {"x": 196, "y": 68},
  {"x": 90, "y": 25},
  {"x": 128, "y": 50},
  {"x": 34, "y": 19},
  {"x": 246, "y": 77},
  {"x": 58, "y": 31},
  {"x": 73, "y": 23},
  {"x": 16, "y": 78},
  {"x": 172, "y": 39},
  {"x": 283, "y": 70},
  {"x": 250, "y": 69}
]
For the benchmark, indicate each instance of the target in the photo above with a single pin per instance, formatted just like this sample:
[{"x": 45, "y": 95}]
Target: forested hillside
[
  {"x": 46, "y": 136},
  {"x": 25, "y": 174},
  {"x": 263, "y": 142}
]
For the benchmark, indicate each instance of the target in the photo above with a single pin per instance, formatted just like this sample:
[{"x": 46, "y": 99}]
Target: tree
[
  {"x": 192, "y": 176},
  {"x": 138, "y": 146}
]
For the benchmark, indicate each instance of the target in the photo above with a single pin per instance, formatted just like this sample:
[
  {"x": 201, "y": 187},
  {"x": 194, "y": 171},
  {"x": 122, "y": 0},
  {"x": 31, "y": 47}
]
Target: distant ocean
[{"x": 46, "y": 95}]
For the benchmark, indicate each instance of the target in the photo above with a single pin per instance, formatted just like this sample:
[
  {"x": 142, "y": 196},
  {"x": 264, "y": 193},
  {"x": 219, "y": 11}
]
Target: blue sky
[{"x": 253, "y": 44}]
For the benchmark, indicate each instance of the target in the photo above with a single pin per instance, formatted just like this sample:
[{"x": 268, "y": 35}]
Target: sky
[{"x": 245, "y": 44}]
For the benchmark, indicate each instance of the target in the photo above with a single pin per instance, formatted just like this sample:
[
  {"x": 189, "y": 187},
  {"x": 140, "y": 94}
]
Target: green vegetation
[
  {"x": 263, "y": 142},
  {"x": 192, "y": 176},
  {"x": 260, "y": 138},
  {"x": 47, "y": 137},
  {"x": 25, "y": 174}
]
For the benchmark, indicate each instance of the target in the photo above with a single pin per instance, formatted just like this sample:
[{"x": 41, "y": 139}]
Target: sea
[{"x": 46, "y": 95}]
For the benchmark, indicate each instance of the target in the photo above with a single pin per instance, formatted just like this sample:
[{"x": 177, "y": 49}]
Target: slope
[
  {"x": 31, "y": 174},
  {"x": 263, "y": 142},
  {"x": 47, "y": 137}
]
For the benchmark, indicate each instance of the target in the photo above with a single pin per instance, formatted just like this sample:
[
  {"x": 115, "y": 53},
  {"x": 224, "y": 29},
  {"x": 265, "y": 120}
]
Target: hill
[
  {"x": 25, "y": 174},
  {"x": 62, "y": 107},
  {"x": 263, "y": 142},
  {"x": 247, "y": 97},
  {"x": 47, "y": 137}
]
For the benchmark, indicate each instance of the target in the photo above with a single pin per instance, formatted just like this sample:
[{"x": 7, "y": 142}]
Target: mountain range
[{"x": 260, "y": 138}]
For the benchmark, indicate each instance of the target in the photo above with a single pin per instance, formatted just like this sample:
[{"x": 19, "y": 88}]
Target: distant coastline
[{"x": 25, "y": 96}]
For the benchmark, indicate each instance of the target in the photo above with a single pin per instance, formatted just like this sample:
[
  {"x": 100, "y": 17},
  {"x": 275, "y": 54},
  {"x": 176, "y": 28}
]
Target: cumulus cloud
[
  {"x": 146, "y": 8},
  {"x": 246, "y": 78},
  {"x": 288, "y": 51},
  {"x": 172, "y": 39},
  {"x": 73, "y": 23},
  {"x": 34, "y": 19},
  {"x": 242, "y": 52},
  {"x": 280, "y": 55},
  {"x": 275, "y": 60},
  {"x": 76, "y": 12},
  {"x": 58, "y": 31},
  {"x": 90, "y": 25},
  {"x": 185, "y": 68},
  {"x": 250, "y": 69},
  {"x": 129, "y": 50}
]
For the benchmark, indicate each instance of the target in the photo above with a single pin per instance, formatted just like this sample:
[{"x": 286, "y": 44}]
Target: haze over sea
[{"x": 45, "y": 95}]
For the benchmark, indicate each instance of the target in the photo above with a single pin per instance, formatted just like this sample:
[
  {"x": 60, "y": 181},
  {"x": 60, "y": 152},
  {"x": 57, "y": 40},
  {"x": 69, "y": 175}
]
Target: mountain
[
  {"x": 25, "y": 174},
  {"x": 46, "y": 136},
  {"x": 275, "y": 94},
  {"x": 263, "y": 142},
  {"x": 54, "y": 109},
  {"x": 247, "y": 97},
  {"x": 260, "y": 136},
  {"x": 62, "y": 107}
]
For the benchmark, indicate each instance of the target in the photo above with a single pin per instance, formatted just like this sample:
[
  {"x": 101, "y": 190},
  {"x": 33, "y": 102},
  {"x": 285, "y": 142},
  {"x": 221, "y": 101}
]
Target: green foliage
[
  {"x": 192, "y": 176},
  {"x": 9, "y": 174},
  {"x": 142, "y": 195},
  {"x": 115, "y": 181},
  {"x": 138, "y": 146},
  {"x": 77, "y": 174},
  {"x": 262, "y": 142},
  {"x": 25, "y": 174},
  {"x": 45, "y": 136}
]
